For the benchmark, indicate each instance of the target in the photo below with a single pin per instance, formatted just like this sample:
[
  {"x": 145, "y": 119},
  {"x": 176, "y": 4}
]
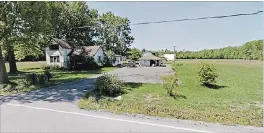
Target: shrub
[
  {"x": 23, "y": 83},
  {"x": 87, "y": 95},
  {"x": 170, "y": 83},
  {"x": 107, "y": 62},
  {"x": 207, "y": 74},
  {"x": 48, "y": 75},
  {"x": 109, "y": 85},
  {"x": 42, "y": 79},
  {"x": 31, "y": 79},
  {"x": 8, "y": 87},
  {"x": 79, "y": 62},
  {"x": 34, "y": 79}
]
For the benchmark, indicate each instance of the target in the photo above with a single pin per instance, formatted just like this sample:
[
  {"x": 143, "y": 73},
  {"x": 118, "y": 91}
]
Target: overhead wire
[
  {"x": 202, "y": 18},
  {"x": 190, "y": 19}
]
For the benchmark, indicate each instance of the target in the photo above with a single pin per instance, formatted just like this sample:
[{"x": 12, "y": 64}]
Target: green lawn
[
  {"x": 237, "y": 98},
  {"x": 59, "y": 76}
]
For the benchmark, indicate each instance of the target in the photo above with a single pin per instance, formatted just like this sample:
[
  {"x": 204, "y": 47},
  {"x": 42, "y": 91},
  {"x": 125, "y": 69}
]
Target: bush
[
  {"x": 34, "y": 79},
  {"x": 170, "y": 83},
  {"x": 52, "y": 67},
  {"x": 31, "y": 79},
  {"x": 42, "y": 79},
  {"x": 79, "y": 62},
  {"x": 56, "y": 67},
  {"x": 23, "y": 84},
  {"x": 109, "y": 85},
  {"x": 48, "y": 75},
  {"x": 107, "y": 62},
  {"x": 207, "y": 74},
  {"x": 8, "y": 87}
]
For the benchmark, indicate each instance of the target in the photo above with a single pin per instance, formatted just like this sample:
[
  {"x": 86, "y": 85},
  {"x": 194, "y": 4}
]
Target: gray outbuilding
[{"x": 149, "y": 59}]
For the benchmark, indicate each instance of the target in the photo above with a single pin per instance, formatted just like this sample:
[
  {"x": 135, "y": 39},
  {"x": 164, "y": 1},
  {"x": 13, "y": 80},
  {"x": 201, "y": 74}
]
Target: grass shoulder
[{"x": 222, "y": 103}]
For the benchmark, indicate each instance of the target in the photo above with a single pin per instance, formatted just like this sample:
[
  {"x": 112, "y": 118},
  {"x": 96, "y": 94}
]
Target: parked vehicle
[{"x": 132, "y": 64}]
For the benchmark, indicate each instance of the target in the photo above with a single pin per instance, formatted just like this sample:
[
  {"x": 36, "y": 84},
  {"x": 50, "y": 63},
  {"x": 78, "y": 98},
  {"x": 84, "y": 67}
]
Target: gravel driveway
[{"x": 143, "y": 74}]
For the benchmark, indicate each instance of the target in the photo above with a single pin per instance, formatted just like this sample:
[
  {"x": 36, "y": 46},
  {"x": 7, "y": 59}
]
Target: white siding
[
  {"x": 65, "y": 57},
  {"x": 52, "y": 53},
  {"x": 144, "y": 63},
  {"x": 62, "y": 53},
  {"x": 100, "y": 53},
  {"x": 119, "y": 60}
]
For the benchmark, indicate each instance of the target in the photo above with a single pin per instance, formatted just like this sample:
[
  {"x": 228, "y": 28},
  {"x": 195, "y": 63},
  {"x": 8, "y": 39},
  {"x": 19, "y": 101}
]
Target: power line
[{"x": 214, "y": 17}]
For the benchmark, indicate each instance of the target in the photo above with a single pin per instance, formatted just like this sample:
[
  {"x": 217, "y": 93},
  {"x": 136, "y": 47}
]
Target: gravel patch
[{"x": 142, "y": 74}]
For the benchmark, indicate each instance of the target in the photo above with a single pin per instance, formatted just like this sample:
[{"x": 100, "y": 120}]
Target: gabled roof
[
  {"x": 62, "y": 43},
  {"x": 92, "y": 50},
  {"x": 150, "y": 57}
]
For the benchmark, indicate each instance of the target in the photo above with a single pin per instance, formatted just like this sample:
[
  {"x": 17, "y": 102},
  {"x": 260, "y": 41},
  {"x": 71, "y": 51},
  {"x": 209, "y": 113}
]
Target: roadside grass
[
  {"x": 236, "y": 99},
  {"x": 59, "y": 76}
]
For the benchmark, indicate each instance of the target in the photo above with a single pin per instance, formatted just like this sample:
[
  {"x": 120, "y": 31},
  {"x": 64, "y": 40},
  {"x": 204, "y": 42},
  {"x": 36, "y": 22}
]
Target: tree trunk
[
  {"x": 12, "y": 60},
  {"x": 3, "y": 74}
]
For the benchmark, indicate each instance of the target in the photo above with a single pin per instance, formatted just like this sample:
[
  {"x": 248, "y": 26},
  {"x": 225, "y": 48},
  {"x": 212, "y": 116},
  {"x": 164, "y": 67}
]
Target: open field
[
  {"x": 26, "y": 66},
  {"x": 236, "y": 98},
  {"x": 59, "y": 76},
  {"x": 253, "y": 63}
]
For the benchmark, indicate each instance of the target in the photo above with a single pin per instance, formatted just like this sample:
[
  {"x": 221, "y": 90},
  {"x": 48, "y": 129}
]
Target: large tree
[
  {"x": 29, "y": 30},
  {"x": 74, "y": 21},
  {"x": 115, "y": 33},
  {"x": 23, "y": 23},
  {"x": 134, "y": 54},
  {"x": 3, "y": 74}
]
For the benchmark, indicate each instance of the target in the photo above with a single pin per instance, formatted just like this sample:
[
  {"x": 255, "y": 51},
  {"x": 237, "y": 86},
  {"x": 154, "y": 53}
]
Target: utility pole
[{"x": 174, "y": 54}]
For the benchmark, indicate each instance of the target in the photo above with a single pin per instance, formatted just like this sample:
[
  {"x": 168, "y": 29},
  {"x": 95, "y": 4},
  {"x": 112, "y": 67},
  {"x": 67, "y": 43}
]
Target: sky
[{"x": 188, "y": 35}]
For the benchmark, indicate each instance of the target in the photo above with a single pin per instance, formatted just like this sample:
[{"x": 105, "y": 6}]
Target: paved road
[{"x": 55, "y": 110}]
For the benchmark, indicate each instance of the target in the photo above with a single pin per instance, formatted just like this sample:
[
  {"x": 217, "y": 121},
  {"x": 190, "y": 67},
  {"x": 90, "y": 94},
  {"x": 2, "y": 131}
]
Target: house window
[
  {"x": 54, "y": 59},
  {"x": 99, "y": 58},
  {"x": 54, "y": 47}
]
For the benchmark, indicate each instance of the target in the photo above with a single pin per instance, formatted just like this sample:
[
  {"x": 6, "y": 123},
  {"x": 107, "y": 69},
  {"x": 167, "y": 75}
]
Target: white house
[
  {"x": 59, "y": 52},
  {"x": 169, "y": 56}
]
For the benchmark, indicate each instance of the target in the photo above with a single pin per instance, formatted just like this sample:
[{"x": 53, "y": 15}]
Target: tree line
[
  {"x": 252, "y": 50},
  {"x": 25, "y": 30}
]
